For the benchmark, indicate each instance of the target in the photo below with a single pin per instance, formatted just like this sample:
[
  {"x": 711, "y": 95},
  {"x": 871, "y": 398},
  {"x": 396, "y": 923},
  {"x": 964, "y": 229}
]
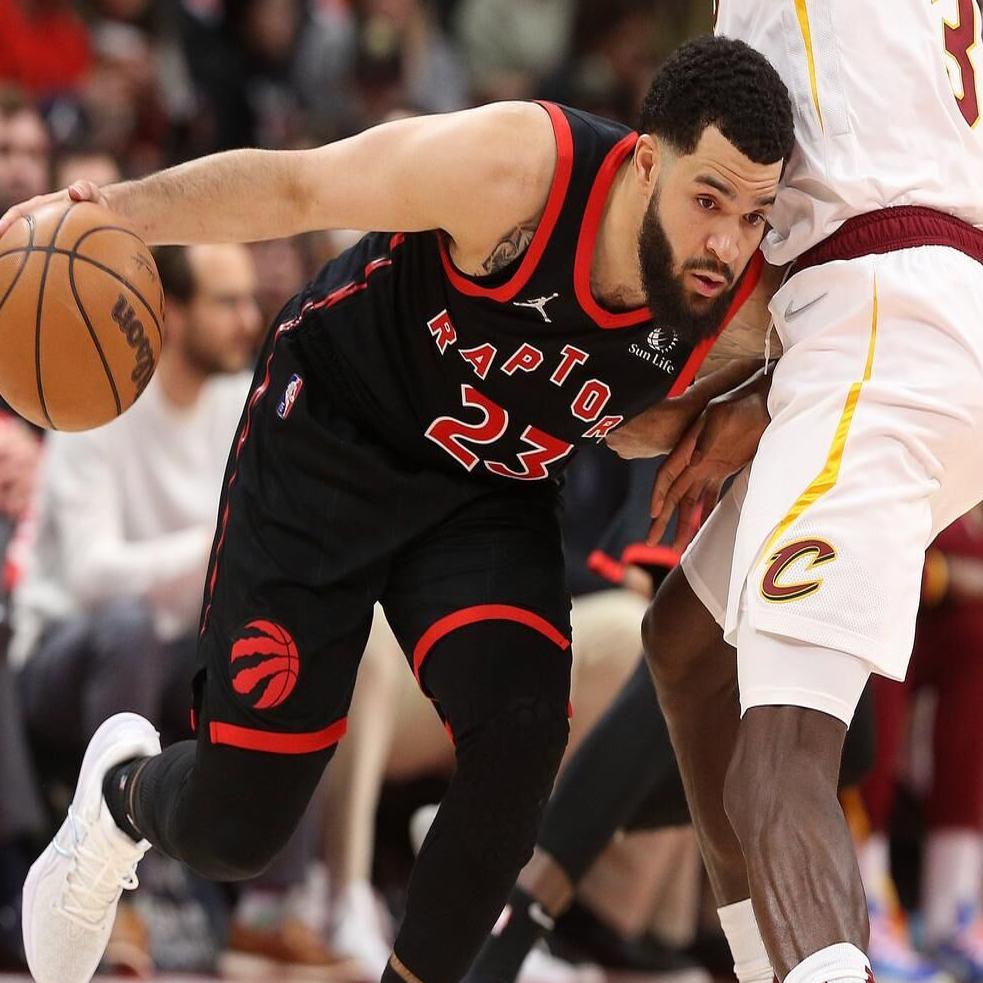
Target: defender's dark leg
[{"x": 695, "y": 674}]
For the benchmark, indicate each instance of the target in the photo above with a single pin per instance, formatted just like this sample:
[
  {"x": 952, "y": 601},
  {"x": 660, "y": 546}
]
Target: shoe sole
[{"x": 135, "y": 736}]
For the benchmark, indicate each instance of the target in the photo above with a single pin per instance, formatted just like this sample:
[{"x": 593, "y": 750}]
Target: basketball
[
  {"x": 81, "y": 311},
  {"x": 269, "y": 674}
]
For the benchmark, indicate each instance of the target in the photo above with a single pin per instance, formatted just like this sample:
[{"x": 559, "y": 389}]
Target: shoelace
[{"x": 95, "y": 880}]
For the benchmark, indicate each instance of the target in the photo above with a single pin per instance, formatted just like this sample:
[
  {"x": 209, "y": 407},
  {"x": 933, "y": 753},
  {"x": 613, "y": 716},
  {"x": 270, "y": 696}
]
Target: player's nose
[{"x": 723, "y": 244}]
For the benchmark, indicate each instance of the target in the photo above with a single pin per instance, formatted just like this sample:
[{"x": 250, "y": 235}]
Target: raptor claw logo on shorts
[
  {"x": 265, "y": 664},
  {"x": 819, "y": 552}
]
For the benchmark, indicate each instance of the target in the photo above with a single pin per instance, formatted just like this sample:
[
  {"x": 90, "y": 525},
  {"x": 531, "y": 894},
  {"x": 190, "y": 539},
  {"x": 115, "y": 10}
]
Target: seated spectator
[
  {"x": 21, "y": 810},
  {"x": 403, "y": 59},
  {"x": 25, "y": 148},
  {"x": 45, "y": 48},
  {"x": 265, "y": 69},
  {"x": 947, "y": 662},
  {"x": 86, "y": 163},
  {"x": 107, "y": 611},
  {"x": 512, "y": 45}
]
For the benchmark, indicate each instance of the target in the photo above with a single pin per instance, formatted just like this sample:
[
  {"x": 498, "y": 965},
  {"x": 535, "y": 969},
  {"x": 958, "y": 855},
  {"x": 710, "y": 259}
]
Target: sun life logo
[{"x": 662, "y": 340}]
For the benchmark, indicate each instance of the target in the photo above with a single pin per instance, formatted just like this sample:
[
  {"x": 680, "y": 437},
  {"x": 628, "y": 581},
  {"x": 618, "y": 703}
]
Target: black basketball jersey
[{"x": 501, "y": 375}]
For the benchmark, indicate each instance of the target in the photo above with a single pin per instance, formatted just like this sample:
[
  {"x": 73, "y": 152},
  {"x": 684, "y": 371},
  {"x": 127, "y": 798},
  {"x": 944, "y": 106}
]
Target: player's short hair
[
  {"x": 176, "y": 275},
  {"x": 722, "y": 82}
]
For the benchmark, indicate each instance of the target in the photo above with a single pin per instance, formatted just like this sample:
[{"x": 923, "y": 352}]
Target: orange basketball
[{"x": 81, "y": 316}]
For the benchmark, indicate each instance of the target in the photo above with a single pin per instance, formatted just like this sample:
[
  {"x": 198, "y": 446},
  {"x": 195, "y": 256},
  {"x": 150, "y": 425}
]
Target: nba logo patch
[{"x": 290, "y": 395}]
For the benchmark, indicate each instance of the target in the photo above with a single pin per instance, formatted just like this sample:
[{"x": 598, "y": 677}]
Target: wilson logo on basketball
[
  {"x": 265, "y": 664},
  {"x": 818, "y": 551},
  {"x": 136, "y": 337}
]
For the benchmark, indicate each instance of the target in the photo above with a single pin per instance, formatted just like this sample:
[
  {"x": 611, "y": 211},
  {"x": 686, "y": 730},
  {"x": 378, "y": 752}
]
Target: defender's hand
[
  {"x": 79, "y": 191},
  {"x": 717, "y": 445}
]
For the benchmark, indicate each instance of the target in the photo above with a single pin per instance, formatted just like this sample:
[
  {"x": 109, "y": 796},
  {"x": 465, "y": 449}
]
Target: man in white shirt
[{"x": 106, "y": 615}]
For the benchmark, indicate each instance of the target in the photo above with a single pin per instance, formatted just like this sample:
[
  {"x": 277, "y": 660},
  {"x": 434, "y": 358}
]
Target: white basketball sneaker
[{"x": 73, "y": 888}]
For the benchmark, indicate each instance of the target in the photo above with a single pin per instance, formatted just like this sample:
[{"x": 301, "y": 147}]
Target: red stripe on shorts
[
  {"x": 250, "y": 739},
  {"x": 482, "y": 612}
]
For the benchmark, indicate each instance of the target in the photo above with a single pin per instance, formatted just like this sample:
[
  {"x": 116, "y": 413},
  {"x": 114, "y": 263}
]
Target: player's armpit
[{"x": 744, "y": 336}]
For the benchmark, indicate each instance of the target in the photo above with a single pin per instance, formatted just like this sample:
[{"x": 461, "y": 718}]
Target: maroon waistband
[{"x": 891, "y": 229}]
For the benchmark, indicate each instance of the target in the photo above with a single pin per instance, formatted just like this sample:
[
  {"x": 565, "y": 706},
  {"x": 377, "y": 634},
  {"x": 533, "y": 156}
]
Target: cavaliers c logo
[{"x": 772, "y": 590}]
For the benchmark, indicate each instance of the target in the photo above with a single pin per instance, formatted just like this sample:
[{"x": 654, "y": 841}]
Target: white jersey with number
[{"x": 888, "y": 98}]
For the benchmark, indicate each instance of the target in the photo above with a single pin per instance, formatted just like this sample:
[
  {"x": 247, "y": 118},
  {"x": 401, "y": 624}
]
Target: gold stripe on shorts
[
  {"x": 828, "y": 476},
  {"x": 802, "y": 12}
]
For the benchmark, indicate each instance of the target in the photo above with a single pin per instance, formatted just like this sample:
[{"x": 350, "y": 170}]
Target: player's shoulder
[{"x": 519, "y": 140}]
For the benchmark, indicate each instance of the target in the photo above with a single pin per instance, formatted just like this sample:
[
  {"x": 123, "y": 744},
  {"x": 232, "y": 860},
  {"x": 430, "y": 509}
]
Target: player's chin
[{"x": 698, "y": 305}]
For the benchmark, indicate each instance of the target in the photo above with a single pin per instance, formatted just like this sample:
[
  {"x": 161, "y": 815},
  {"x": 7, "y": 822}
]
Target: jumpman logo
[{"x": 538, "y": 304}]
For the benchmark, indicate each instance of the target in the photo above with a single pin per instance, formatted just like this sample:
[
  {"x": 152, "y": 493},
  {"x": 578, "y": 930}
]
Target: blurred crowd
[{"x": 105, "y": 536}]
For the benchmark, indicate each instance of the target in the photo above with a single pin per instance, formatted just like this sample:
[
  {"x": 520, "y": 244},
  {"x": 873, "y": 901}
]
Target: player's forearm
[
  {"x": 236, "y": 196},
  {"x": 724, "y": 379}
]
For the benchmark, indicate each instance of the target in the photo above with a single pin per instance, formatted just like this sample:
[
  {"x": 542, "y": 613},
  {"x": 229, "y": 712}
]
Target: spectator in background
[
  {"x": 24, "y": 168},
  {"x": 121, "y": 102},
  {"x": 86, "y": 163},
  {"x": 948, "y": 660},
  {"x": 44, "y": 46},
  {"x": 512, "y": 45},
  {"x": 614, "y": 48},
  {"x": 403, "y": 59},
  {"x": 267, "y": 71},
  {"x": 105, "y": 617},
  {"x": 25, "y": 148}
]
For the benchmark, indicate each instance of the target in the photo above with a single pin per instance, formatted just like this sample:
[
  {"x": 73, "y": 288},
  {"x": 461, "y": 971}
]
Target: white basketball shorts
[{"x": 812, "y": 561}]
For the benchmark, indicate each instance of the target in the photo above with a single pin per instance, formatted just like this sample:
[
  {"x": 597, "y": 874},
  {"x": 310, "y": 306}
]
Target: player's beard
[{"x": 671, "y": 304}]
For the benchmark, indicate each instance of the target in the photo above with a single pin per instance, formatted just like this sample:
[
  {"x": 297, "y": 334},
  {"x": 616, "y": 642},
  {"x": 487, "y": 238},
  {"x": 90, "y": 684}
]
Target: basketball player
[
  {"x": 413, "y": 408},
  {"x": 875, "y": 444}
]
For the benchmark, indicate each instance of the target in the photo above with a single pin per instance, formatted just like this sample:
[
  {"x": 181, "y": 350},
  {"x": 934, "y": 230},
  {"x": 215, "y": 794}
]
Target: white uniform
[{"x": 876, "y": 440}]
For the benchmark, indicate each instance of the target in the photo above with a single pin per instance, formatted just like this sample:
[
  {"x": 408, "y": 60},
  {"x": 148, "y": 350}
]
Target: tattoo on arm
[{"x": 508, "y": 248}]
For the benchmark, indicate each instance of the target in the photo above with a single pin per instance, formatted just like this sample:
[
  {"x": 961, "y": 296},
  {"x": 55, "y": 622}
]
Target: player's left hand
[{"x": 717, "y": 445}]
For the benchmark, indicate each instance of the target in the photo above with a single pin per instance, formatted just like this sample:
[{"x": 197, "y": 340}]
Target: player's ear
[{"x": 647, "y": 162}]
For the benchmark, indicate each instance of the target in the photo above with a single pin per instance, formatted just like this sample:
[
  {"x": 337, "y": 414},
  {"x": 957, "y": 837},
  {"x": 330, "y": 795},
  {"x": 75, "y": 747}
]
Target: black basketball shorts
[{"x": 318, "y": 520}]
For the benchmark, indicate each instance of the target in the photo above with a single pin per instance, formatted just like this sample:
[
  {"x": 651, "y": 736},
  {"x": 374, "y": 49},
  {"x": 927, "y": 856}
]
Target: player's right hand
[{"x": 78, "y": 191}]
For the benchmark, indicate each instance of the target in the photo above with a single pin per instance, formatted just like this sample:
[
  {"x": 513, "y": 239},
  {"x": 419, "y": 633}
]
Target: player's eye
[
  {"x": 755, "y": 219},
  {"x": 706, "y": 202}
]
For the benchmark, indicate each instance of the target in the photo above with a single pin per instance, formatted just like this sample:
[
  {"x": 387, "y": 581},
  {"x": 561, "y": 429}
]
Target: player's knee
[
  {"x": 232, "y": 847},
  {"x": 235, "y": 858},
  {"x": 506, "y": 768}
]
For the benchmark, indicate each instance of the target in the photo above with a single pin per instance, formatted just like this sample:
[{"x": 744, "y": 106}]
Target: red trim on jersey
[
  {"x": 606, "y": 566},
  {"x": 650, "y": 556},
  {"x": 534, "y": 253},
  {"x": 250, "y": 739},
  {"x": 329, "y": 300},
  {"x": 890, "y": 229},
  {"x": 755, "y": 267},
  {"x": 588, "y": 237},
  {"x": 482, "y": 612}
]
